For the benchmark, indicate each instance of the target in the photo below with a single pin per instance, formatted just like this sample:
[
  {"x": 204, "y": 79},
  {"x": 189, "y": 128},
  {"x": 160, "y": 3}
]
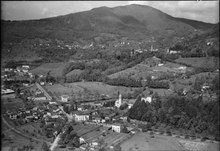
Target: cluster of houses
[{"x": 26, "y": 115}]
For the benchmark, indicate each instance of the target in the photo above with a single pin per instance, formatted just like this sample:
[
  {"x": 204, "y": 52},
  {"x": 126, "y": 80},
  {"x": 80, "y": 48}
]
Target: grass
[
  {"x": 74, "y": 72},
  {"x": 55, "y": 68},
  {"x": 159, "y": 142},
  {"x": 143, "y": 70},
  {"x": 88, "y": 87},
  {"x": 198, "y": 62},
  {"x": 12, "y": 104}
]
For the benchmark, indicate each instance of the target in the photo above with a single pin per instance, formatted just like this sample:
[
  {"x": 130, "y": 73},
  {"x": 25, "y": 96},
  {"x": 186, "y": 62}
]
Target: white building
[
  {"x": 129, "y": 105},
  {"x": 118, "y": 102},
  {"x": 81, "y": 117},
  {"x": 64, "y": 98},
  {"x": 117, "y": 128},
  {"x": 147, "y": 99}
]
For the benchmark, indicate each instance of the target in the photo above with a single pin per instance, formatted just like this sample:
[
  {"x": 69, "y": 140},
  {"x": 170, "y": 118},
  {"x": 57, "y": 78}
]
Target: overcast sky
[{"x": 206, "y": 11}]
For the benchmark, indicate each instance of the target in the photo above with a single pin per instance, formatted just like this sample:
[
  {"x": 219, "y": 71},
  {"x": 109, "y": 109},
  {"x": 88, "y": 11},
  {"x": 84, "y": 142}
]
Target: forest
[{"x": 180, "y": 112}]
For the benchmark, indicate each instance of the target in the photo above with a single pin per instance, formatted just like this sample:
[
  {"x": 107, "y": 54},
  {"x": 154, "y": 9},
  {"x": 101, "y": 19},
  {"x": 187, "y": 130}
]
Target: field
[
  {"x": 202, "y": 146},
  {"x": 142, "y": 141},
  {"x": 87, "y": 87},
  {"x": 14, "y": 140},
  {"x": 55, "y": 68},
  {"x": 143, "y": 70},
  {"x": 199, "y": 62},
  {"x": 160, "y": 92},
  {"x": 74, "y": 72},
  {"x": 12, "y": 104}
]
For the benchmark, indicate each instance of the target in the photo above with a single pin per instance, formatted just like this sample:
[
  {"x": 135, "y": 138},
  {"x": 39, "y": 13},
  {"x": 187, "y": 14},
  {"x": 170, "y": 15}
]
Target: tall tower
[
  {"x": 120, "y": 99},
  {"x": 151, "y": 48},
  {"x": 118, "y": 102}
]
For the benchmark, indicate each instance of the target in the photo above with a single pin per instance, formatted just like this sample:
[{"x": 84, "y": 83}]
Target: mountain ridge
[{"x": 136, "y": 22}]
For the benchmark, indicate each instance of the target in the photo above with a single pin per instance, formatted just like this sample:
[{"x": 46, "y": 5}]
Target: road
[
  {"x": 55, "y": 143},
  {"x": 45, "y": 92},
  {"x": 23, "y": 135}
]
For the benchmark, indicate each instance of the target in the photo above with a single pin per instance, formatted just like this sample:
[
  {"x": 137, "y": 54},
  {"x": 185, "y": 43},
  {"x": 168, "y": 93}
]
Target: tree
[
  {"x": 45, "y": 147},
  {"x": 117, "y": 148}
]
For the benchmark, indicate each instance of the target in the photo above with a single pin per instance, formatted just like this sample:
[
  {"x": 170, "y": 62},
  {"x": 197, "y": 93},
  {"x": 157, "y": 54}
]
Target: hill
[{"x": 94, "y": 29}]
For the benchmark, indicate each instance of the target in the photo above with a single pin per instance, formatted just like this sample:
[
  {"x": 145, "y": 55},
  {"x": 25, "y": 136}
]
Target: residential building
[
  {"x": 147, "y": 99},
  {"x": 8, "y": 93},
  {"x": 117, "y": 128},
  {"x": 64, "y": 98},
  {"x": 40, "y": 97},
  {"x": 81, "y": 117}
]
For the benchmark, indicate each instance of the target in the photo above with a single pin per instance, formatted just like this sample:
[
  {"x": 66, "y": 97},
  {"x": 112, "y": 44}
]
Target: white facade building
[
  {"x": 80, "y": 118},
  {"x": 64, "y": 98},
  {"x": 117, "y": 128},
  {"x": 147, "y": 99}
]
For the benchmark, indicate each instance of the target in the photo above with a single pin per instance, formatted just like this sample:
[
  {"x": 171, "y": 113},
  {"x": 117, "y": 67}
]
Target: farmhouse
[
  {"x": 64, "y": 98},
  {"x": 147, "y": 99},
  {"x": 117, "y": 128},
  {"x": 172, "y": 51}
]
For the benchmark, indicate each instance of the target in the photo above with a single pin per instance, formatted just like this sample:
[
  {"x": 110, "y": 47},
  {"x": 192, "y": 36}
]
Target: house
[
  {"x": 64, "y": 98},
  {"x": 209, "y": 43},
  {"x": 79, "y": 117},
  {"x": 205, "y": 86},
  {"x": 8, "y": 93},
  {"x": 152, "y": 49},
  {"x": 13, "y": 116},
  {"x": 147, "y": 99},
  {"x": 117, "y": 128},
  {"x": 42, "y": 83},
  {"x": 40, "y": 97},
  {"x": 154, "y": 77},
  {"x": 118, "y": 102},
  {"x": 81, "y": 140}
]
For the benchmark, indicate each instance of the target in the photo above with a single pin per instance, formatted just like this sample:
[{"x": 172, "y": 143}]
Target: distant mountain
[{"x": 135, "y": 22}]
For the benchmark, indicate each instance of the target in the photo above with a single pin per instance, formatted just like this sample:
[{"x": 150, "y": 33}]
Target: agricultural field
[
  {"x": 142, "y": 70},
  {"x": 202, "y": 146},
  {"x": 13, "y": 140},
  {"x": 143, "y": 141},
  {"x": 56, "y": 69},
  {"x": 87, "y": 87},
  {"x": 199, "y": 62},
  {"x": 12, "y": 104},
  {"x": 160, "y": 92},
  {"x": 74, "y": 73}
]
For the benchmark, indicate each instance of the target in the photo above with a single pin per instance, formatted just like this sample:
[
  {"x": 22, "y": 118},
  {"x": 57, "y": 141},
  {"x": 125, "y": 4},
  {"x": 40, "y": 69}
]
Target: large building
[
  {"x": 8, "y": 93},
  {"x": 117, "y": 128}
]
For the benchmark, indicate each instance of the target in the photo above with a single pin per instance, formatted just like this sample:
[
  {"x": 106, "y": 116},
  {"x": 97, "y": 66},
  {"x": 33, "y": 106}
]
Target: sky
[{"x": 206, "y": 11}]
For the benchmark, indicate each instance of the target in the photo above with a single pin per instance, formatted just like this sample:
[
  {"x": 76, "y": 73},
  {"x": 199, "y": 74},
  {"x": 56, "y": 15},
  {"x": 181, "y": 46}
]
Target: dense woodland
[{"x": 180, "y": 112}]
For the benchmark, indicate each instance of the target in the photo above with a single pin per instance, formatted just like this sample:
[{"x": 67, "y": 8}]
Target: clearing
[{"x": 55, "y": 68}]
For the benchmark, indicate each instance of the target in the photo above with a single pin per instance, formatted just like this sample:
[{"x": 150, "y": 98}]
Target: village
[{"x": 91, "y": 124}]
